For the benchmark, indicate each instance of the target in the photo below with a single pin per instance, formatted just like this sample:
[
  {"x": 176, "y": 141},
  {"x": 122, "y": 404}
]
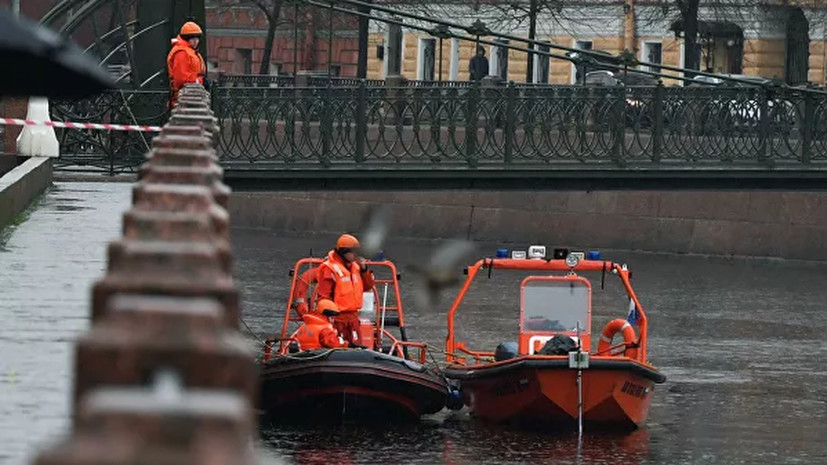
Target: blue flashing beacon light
[
  {"x": 502, "y": 253},
  {"x": 594, "y": 255}
]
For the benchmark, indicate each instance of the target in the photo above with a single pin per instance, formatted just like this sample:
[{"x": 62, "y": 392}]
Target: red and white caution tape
[{"x": 101, "y": 127}]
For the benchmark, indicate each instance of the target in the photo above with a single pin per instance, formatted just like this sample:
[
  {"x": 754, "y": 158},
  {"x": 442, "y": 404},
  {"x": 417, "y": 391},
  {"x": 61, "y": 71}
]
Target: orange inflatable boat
[{"x": 389, "y": 378}]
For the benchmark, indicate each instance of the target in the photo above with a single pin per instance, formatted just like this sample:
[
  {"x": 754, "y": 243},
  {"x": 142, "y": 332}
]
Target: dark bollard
[
  {"x": 167, "y": 268},
  {"x": 188, "y": 335}
]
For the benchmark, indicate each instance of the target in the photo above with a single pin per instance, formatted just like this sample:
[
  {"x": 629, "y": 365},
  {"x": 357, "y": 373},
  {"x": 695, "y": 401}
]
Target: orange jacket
[
  {"x": 343, "y": 284},
  {"x": 317, "y": 332},
  {"x": 300, "y": 291},
  {"x": 184, "y": 66}
]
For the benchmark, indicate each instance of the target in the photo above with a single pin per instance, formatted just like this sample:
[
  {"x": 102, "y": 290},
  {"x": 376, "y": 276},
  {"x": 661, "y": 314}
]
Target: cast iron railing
[
  {"x": 453, "y": 126},
  {"x": 511, "y": 125},
  {"x": 108, "y": 151}
]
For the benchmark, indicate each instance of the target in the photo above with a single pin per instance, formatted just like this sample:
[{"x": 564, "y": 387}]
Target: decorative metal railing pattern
[
  {"x": 108, "y": 151},
  {"x": 253, "y": 80},
  {"x": 510, "y": 125},
  {"x": 365, "y": 125}
]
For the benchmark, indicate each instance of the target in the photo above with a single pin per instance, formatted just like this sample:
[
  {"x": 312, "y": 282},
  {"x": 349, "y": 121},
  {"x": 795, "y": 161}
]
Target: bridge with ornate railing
[
  {"x": 319, "y": 130},
  {"x": 277, "y": 133}
]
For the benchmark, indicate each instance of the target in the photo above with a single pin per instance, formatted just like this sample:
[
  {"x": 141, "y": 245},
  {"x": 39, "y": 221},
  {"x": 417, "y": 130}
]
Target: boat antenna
[
  {"x": 603, "y": 278},
  {"x": 579, "y": 384},
  {"x": 382, "y": 320}
]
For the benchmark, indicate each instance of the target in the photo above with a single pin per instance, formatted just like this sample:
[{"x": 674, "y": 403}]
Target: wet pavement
[
  {"x": 741, "y": 342},
  {"x": 47, "y": 266}
]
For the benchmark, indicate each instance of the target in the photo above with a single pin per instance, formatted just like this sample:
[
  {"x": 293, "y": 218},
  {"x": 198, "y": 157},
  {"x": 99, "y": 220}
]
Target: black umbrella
[{"x": 39, "y": 62}]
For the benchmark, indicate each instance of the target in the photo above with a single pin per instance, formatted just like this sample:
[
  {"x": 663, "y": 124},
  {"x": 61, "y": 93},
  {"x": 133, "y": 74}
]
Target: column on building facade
[
  {"x": 630, "y": 27},
  {"x": 454, "y": 68},
  {"x": 541, "y": 63},
  {"x": 393, "y": 51}
]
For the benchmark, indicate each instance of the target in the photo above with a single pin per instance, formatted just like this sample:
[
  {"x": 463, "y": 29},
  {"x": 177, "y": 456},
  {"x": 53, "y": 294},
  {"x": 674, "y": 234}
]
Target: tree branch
[{"x": 265, "y": 7}]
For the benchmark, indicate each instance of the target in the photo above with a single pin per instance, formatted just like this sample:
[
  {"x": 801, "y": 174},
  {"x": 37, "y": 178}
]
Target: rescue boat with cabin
[
  {"x": 554, "y": 374},
  {"x": 383, "y": 381}
]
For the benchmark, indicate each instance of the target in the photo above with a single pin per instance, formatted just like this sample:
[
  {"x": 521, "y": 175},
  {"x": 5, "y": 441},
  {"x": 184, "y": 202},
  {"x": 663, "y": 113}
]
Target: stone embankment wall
[
  {"x": 21, "y": 185},
  {"x": 725, "y": 223}
]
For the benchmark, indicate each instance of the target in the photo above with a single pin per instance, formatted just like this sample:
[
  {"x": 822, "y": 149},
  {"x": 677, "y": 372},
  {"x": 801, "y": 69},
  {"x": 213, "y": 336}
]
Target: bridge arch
[{"x": 128, "y": 37}]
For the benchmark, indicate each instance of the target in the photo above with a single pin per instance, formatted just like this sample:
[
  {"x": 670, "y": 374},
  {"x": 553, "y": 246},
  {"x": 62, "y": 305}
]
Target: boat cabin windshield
[{"x": 555, "y": 304}]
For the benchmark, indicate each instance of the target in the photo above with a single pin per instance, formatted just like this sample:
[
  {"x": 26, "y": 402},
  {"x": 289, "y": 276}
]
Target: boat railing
[
  {"x": 478, "y": 355},
  {"x": 386, "y": 284},
  {"x": 423, "y": 349},
  {"x": 616, "y": 348},
  {"x": 399, "y": 346},
  {"x": 284, "y": 346},
  {"x": 636, "y": 316}
]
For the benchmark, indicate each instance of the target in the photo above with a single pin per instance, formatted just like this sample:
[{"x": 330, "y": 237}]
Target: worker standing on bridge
[
  {"x": 343, "y": 278},
  {"x": 184, "y": 64}
]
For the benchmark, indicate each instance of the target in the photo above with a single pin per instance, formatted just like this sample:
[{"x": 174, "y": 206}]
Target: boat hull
[
  {"x": 616, "y": 392},
  {"x": 338, "y": 385}
]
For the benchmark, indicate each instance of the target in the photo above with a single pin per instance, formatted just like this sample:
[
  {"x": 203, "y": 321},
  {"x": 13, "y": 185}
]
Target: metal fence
[
  {"x": 362, "y": 125},
  {"x": 108, "y": 151},
  {"x": 515, "y": 125}
]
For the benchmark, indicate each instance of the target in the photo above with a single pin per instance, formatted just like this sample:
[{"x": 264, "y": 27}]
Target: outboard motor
[
  {"x": 506, "y": 350},
  {"x": 454, "y": 401}
]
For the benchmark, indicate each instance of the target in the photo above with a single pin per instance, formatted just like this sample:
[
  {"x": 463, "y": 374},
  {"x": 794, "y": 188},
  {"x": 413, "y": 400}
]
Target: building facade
[
  {"x": 785, "y": 39},
  {"x": 302, "y": 41},
  {"x": 772, "y": 40}
]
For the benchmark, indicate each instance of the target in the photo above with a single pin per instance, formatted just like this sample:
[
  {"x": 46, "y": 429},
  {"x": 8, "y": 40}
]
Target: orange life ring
[
  {"x": 629, "y": 337},
  {"x": 304, "y": 282}
]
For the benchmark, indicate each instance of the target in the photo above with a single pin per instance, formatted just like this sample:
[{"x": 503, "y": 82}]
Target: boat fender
[
  {"x": 629, "y": 337},
  {"x": 411, "y": 365},
  {"x": 454, "y": 400},
  {"x": 414, "y": 366}
]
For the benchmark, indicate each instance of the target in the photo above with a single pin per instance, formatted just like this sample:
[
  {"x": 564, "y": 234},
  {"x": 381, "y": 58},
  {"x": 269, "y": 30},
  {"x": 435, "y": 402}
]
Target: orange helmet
[
  {"x": 346, "y": 241},
  {"x": 327, "y": 307},
  {"x": 190, "y": 29}
]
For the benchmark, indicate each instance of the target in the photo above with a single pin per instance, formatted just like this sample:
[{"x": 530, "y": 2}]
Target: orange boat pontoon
[{"x": 553, "y": 374}]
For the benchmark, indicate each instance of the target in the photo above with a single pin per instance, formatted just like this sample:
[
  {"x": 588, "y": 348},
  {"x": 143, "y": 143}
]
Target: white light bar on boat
[
  {"x": 537, "y": 251},
  {"x": 518, "y": 254},
  {"x": 580, "y": 255}
]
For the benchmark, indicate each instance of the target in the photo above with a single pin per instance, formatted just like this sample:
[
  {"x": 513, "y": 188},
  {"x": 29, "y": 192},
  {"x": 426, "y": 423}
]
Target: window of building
[
  {"x": 499, "y": 59},
  {"x": 651, "y": 52},
  {"x": 244, "y": 60},
  {"x": 541, "y": 64},
  {"x": 426, "y": 60},
  {"x": 577, "y": 72}
]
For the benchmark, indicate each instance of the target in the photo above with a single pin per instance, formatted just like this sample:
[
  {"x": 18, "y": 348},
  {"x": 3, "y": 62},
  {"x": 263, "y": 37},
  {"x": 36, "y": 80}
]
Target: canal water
[{"x": 740, "y": 341}]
